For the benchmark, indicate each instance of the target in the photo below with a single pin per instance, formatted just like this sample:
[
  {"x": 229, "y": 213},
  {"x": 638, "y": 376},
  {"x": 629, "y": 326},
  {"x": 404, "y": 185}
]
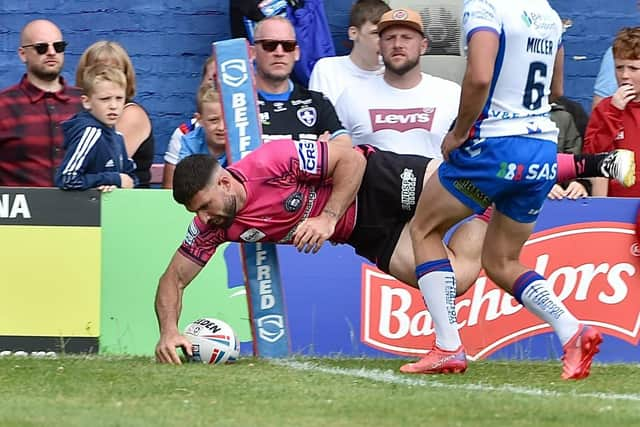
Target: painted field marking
[{"x": 391, "y": 377}]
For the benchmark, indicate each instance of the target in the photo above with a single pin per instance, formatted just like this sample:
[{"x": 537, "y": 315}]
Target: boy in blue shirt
[
  {"x": 96, "y": 156},
  {"x": 210, "y": 136}
]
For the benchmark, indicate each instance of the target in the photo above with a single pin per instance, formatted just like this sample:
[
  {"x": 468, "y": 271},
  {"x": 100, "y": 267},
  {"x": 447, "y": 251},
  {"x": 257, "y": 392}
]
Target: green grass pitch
[{"x": 100, "y": 391}]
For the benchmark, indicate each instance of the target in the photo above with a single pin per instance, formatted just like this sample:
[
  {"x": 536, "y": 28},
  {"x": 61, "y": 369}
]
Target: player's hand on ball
[{"x": 166, "y": 349}]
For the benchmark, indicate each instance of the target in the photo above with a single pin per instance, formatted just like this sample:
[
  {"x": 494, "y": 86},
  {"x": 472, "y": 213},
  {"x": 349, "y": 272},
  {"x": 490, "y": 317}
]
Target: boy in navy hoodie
[{"x": 95, "y": 152}]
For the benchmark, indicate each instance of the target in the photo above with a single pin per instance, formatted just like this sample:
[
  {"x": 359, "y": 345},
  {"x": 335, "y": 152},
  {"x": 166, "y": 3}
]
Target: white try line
[{"x": 393, "y": 378}]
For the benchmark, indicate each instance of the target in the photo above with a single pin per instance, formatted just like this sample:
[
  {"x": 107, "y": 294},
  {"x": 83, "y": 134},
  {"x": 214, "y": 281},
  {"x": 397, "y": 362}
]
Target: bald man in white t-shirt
[
  {"x": 331, "y": 75},
  {"x": 404, "y": 110}
]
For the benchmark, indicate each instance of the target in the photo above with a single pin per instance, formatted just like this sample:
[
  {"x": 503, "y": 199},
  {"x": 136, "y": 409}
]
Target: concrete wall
[{"x": 168, "y": 41}]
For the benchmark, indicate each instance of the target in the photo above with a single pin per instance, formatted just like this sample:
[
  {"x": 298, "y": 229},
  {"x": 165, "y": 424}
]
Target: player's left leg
[
  {"x": 500, "y": 259},
  {"x": 436, "y": 212},
  {"x": 463, "y": 249}
]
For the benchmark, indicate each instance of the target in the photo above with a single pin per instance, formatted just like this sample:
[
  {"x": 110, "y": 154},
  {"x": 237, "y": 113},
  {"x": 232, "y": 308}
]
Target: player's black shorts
[{"x": 387, "y": 200}]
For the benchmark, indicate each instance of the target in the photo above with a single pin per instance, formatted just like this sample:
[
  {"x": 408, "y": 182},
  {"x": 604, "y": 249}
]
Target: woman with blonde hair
[{"x": 134, "y": 123}]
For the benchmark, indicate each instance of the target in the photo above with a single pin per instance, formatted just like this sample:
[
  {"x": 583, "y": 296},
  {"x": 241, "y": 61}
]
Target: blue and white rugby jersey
[{"x": 530, "y": 34}]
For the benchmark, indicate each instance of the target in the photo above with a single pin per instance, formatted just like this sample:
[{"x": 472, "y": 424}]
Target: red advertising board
[{"x": 592, "y": 266}]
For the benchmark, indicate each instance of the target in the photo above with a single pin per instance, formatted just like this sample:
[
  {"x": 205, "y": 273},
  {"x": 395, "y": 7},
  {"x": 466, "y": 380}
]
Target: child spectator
[
  {"x": 210, "y": 136},
  {"x": 172, "y": 155},
  {"x": 134, "y": 123},
  {"x": 95, "y": 153},
  {"x": 570, "y": 142},
  {"x": 615, "y": 121}
]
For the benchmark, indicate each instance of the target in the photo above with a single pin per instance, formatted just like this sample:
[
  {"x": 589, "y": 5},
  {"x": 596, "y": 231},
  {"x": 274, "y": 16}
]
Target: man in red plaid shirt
[{"x": 31, "y": 111}]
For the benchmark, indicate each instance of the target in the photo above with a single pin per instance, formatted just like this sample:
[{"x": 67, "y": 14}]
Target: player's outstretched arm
[{"x": 180, "y": 272}]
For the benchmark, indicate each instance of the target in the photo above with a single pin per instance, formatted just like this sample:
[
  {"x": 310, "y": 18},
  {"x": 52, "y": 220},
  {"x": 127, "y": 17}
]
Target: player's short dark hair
[
  {"x": 364, "y": 11},
  {"x": 192, "y": 174}
]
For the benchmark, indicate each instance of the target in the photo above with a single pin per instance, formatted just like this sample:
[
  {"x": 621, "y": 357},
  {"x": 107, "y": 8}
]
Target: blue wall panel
[{"x": 169, "y": 40}]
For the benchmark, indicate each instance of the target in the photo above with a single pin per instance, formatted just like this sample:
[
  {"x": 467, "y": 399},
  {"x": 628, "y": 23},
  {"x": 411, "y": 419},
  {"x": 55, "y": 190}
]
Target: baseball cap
[{"x": 407, "y": 17}]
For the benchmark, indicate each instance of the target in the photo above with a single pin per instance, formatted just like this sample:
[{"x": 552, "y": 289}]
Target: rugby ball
[{"x": 212, "y": 341}]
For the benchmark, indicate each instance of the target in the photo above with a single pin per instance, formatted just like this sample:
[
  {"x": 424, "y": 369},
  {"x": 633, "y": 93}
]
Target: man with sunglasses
[
  {"x": 288, "y": 110},
  {"x": 32, "y": 110}
]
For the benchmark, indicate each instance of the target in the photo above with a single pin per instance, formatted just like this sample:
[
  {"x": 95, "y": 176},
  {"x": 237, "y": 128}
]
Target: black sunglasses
[
  {"x": 271, "y": 45},
  {"x": 43, "y": 47}
]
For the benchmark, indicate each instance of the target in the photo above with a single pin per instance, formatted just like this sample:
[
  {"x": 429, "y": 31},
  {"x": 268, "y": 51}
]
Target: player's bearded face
[{"x": 228, "y": 214}]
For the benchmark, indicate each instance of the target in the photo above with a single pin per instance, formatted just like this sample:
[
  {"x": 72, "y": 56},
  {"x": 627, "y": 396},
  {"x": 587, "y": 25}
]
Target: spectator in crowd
[
  {"x": 134, "y": 123},
  {"x": 331, "y": 75},
  {"x": 606, "y": 84},
  {"x": 172, "y": 155},
  {"x": 288, "y": 110},
  {"x": 404, "y": 110},
  {"x": 96, "y": 156},
  {"x": 580, "y": 116},
  {"x": 209, "y": 136},
  {"x": 31, "y": 111},
  {"x": 569, "y": 141},
  {"x": 615, "y": 121}
]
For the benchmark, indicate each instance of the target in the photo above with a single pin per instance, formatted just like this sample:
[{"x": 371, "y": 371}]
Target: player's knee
[
  {"x": 419, "y": 230},
  {"x": 491, "y": 263}
]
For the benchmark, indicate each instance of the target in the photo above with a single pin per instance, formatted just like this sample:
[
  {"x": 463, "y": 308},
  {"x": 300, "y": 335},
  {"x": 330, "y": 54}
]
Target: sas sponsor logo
[
  {"x": 599, "y": 286},
  {"x": 252, "y": 235},
  {"x": 307, "y": 155},
  {"x": 534, "y": 172},
  {"x": 401, "y": 119}
]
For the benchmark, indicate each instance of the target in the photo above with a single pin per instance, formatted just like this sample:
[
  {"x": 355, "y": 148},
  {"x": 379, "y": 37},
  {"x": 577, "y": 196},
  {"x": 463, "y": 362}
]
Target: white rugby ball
[{"x": 212, "y": 341}]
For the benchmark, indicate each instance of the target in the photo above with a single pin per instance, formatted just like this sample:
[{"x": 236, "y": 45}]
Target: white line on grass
[{"x": 393, "y": 378}]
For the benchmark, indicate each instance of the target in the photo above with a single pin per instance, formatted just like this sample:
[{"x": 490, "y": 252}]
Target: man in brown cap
[{"x": 404, "y": 110}]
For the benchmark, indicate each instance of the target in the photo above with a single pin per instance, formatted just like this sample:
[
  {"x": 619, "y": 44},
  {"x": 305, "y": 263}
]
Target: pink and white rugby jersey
[{"x": 286, "y": 182}]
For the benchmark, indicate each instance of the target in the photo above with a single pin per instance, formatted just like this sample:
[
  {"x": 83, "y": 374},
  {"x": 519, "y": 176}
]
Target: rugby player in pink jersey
[{"x": 305, "y": 193}]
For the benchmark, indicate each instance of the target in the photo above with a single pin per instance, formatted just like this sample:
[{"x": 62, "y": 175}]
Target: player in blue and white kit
[{"x": 501, "y": 151}]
